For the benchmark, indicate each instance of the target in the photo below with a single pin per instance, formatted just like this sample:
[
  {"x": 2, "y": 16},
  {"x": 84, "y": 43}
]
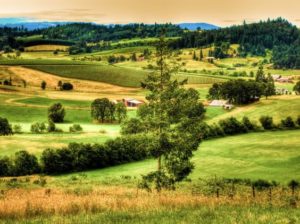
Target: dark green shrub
[
  {"x": 75, "y": 128},
  {"x": 288, "y": 123},
  {"x": 232, "y": 126},
  {"x": 51, "y": 126},
  {"x": 261, "y": 184},
  {"x": 5, "y": 166},
  {"x": 132, "y": 126},
  {"x": 25, "y": 164},
  {"x": 56, "y": 113},
  {"x": 247, "y": 124},
  {"x": 66, "y": 86},
  {"x": 5, "y": 127},
  {"x": 298, "y": 120},
  {"x": 293, "y": 184},
  {"x": 266, "y": 122}
]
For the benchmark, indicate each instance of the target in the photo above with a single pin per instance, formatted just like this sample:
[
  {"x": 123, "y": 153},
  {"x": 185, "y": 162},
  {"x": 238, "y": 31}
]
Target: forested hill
[
  {"x": 278, "y": 35},
  {"x": 94, "y": 33}
]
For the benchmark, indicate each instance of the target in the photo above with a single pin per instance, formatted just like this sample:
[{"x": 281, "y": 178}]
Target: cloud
[{"x": 83, "y": 15}]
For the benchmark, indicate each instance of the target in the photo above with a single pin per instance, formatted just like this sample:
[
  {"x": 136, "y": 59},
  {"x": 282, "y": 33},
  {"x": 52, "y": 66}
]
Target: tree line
[{"x": 78, "y": 157}]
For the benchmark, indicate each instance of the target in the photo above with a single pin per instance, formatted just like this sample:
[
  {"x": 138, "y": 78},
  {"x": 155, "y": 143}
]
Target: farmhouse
[
  {"x": 276, "y": 77},
  {"x": 284, "y": 80},
  {"x": 222, "y": 103},
  {"x": 218, "y": 103},
  {"x": 282, "y": 91},
  {"x": 228, "y": 106},
  {"x": 132, "y": 102},
  {"x": 210, "y": 59}
]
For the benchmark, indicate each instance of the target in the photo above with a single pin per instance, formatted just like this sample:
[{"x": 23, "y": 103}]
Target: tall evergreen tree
[
  {"x": 260, "y": 75},
  {"x": 169, "y": 104},
  {"x": 201, "y": 55}
]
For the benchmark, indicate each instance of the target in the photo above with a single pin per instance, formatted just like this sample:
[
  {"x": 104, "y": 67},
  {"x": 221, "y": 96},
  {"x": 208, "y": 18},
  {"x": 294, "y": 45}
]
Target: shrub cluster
[
  {"x": 75, "y": 128},
  {"x": 41, "y": 127}
]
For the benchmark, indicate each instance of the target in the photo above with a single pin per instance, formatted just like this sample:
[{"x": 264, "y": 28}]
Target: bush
[
  {"x": 38, "y": 128},
  {"x": 25, "y": 164},
  {"x": 266, "y": 122},
  {"x": 297, "y": 88},
  {"x": 132, "y": 126},
  {"x": 248, "y": 125},
  {"x": 5, "y": 127},
  {"x": 43, "y": 85},
  {"x": 17, "y": 129},
  {"x": 288, "y": 123},
  {"x": 5, "y": 166},
  {"x": 261, "y": 184},
  {"x": 56, "y": 113},
  {"x": 232, "y": 126},
  {"x": 51, "y": 126},
  {"x": 75, "y": 128},
  {"x": 298, "y": 120},
  {"x": 66, "y": 86}
]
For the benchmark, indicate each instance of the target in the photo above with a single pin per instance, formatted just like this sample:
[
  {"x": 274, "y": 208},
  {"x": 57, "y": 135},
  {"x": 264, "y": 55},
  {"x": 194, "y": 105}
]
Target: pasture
[{"x": 279, "y": 107}]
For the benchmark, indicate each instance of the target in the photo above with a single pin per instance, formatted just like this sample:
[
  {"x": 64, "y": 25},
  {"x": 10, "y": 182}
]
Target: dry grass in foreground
[{"x": 21, "y": 203}]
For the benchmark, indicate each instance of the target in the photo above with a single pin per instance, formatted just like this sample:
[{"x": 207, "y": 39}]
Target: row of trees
[
  {"x": 79, "y": 157},
  {"x": 232, "y": 126},
  {"x": 89, "y": 32}
]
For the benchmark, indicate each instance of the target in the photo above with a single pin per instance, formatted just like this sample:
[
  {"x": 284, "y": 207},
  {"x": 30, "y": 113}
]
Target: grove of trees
[{"x": 104, "y": 110}]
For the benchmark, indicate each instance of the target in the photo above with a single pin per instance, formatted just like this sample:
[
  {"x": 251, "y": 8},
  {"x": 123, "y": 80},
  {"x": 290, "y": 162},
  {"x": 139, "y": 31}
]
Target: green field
[
  {"x": 100, "y": 73},
  {"x": 266, "y": 155}
]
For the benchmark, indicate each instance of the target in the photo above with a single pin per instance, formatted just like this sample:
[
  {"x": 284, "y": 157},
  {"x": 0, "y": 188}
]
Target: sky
[{"x": 218, "y": 12}]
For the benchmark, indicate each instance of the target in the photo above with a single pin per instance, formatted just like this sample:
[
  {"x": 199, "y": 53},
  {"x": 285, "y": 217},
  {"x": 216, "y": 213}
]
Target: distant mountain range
[
  {"x": 195, "y": 26},
  {"x": 33, "y": 25}
]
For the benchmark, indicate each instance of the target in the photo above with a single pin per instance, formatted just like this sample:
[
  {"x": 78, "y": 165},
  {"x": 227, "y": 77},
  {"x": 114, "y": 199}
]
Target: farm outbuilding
[
  {"x": 284, "y": 80},
  {"x": 132, "y": 102},
  {"x": 210, "y": 59},
  {"x": 282, "y": 91},
  {"x": 276, "y": 77},
  {"x": 218, "y": 103},
  {"x": 222, "y": 103}
]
